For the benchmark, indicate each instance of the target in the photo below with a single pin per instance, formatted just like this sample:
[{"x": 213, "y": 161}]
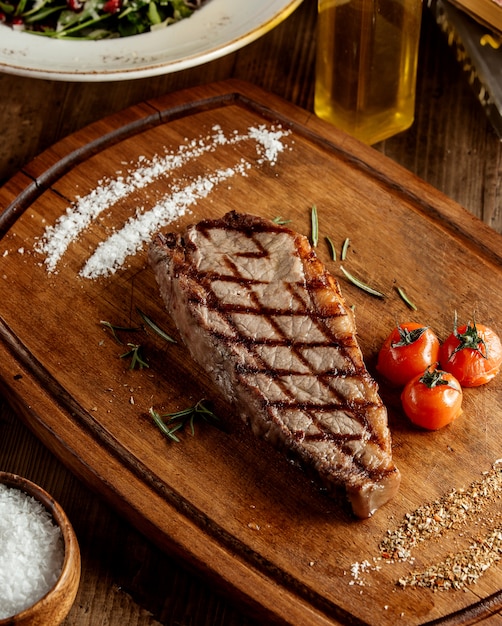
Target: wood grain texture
[{"x": 226, "y": 504}]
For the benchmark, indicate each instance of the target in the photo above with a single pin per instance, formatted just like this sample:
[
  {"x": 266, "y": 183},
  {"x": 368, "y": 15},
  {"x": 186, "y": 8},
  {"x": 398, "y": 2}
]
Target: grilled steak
[{"x": 260, "y": 312}]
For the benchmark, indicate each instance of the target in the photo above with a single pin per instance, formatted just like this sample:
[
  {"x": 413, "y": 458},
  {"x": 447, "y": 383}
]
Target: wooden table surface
[{"x": 125, "y": 580}]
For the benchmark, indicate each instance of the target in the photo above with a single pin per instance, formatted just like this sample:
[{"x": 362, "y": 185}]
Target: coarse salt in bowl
[{"x": 39, "y": 556}]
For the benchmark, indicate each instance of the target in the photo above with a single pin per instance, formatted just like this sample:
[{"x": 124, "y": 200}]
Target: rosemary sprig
[
  {"x": 115, "y": 329},
  {"x": 345, "y": 249},
  {"x": 315, "y": 226},
  {"x": 135, "y": 355},
  {"x": 405, "y": 299},
  {"x": 171, "y": 423},
  {"x": 156, "y": 328},
  {"x": 332, "y": 248},
  {"x": 280, "y": 220},
  {"x": 359, "y": 283}
]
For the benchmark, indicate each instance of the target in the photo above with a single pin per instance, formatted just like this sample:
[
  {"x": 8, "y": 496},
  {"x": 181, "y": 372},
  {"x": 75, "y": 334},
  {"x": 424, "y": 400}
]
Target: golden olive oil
[{"x": 366, "y": 65}]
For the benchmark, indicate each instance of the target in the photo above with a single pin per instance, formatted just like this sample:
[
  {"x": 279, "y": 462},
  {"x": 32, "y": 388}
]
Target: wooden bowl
[{"x": 55, "y": 605}]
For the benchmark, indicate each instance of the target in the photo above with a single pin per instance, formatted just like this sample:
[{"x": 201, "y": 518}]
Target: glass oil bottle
[{"x": 367, "y": 53}]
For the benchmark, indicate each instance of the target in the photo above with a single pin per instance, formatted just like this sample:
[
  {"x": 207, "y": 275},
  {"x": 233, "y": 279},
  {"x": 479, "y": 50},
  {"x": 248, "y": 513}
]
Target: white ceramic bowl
[{"x": 218, "y": 28}]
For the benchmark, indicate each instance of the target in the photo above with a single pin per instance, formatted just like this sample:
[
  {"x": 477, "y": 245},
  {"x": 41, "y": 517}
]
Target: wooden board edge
[
  {"x": 473, "y": 614},
  {"x": 52, "y": 163}
]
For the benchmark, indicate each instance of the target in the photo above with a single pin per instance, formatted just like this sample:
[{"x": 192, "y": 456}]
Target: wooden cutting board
[{"x": 222, "y": 501}]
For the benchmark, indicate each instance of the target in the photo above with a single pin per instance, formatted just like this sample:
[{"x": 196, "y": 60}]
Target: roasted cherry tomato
[
  {"x": 433, "y": 399},
  {"x": 408, "y": 351},
  {"x": 472, "y": 353}
]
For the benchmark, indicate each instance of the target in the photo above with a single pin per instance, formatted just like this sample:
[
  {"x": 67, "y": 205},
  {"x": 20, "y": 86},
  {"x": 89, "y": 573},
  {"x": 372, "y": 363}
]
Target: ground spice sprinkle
[
  {"x": 448, "y": 512},
  {"x": 457, "y": 571}
]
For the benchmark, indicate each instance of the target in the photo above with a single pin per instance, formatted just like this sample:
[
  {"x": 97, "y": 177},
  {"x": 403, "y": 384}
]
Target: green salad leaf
[{"x": 94, "y": 19}]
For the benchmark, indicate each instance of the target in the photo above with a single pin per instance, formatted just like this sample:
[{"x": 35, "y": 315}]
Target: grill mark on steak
[
  {"x": 330, "y": 339},
  {"x": 262, "y": 310},
  {"x": 286, "y": 396}
]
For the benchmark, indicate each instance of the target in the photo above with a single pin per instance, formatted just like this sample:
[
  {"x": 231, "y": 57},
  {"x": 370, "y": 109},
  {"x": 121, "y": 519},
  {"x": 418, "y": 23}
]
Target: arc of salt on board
[{"x": 112, "y": 252}]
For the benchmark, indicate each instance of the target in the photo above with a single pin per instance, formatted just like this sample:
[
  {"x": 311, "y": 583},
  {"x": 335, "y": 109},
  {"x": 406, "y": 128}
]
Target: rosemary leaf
[
  {"x": 359, "y": 283},
  {"x": 179, "y": 414},
  {"x": 315, "y": 226},
  {"x": 169, "y": 432},
  {"x": 156, "y": 328},
  {"x": 280, "y": 220},
  {"x": 191, "y": 421},
  {"x": 405, "y": 299},
  {"x": 170, "y": 423},
  {"x": 115, "y": 328},
  {"x": 345, "y": 248},
  {"x": 331, "y": 247},
  {"x": 135, "y": 355},
  {"x": 206, "y": 413},
  {"x": 175, "y": 427}
]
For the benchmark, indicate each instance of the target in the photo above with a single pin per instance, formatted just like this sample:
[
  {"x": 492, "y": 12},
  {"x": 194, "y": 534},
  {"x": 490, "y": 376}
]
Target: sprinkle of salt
[
  {"x": 111, "y": 253},
  {"x": 31, "y": 551}
]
